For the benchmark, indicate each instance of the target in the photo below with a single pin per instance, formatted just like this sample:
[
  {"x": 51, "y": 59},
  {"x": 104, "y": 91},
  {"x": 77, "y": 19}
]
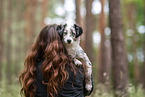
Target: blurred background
[{"x": 113, "y": 38}]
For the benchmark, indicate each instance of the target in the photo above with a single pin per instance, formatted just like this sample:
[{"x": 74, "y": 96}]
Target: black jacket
[{"x": 77, "y": 89}]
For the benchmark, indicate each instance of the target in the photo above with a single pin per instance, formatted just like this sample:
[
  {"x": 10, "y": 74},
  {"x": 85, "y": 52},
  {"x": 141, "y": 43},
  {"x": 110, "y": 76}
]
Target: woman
[{"x": 49, "y": 71}]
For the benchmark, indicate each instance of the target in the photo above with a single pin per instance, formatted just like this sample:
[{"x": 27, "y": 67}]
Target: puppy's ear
[
  {"x": 60, "y": 30},
  {"x": 78, "y": 30}
]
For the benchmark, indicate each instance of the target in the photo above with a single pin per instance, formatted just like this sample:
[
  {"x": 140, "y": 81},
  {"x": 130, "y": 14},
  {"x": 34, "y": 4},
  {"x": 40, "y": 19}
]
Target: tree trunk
[
  {"x": 9, "y": 46},
  {"x": 135, "y": 61},
  {"x": 30, "y": 24},
  {"x": 44, "y": 10},
  {"x": 18, "y": 36},
  {"x": 144, "y": 52},
  {"x": 119, "y": 64},
  {"x": 78, "y": 15},
  {"x": 1, "y": 38},
  {"x": 104, "y": 61},
  {"x": 132, "y": 23},
  {"x": 79, "y": 20},
  {"x": 89, "y": 29}
]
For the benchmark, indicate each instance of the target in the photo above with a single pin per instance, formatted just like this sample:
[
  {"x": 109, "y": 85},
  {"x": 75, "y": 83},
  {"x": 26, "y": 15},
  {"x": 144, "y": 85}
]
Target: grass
[
  {"x": 132, "y": 91},
  {"x": 14, "y": 91},
  {"x": 136, "y": 92},
  {"x": 10, "y": 91}
]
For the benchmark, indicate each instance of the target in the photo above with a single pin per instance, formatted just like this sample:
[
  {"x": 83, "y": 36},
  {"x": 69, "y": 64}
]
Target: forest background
[{"x": 114, "y": 40}]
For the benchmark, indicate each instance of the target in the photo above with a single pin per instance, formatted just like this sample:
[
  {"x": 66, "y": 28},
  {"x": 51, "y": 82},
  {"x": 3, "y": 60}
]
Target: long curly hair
[{"x": 48, "y": 46}]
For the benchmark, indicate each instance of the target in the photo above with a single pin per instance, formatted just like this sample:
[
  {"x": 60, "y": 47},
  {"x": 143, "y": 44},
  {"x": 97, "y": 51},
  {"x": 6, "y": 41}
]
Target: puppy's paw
[
  {"x": 78, "y": 63},
  {"x": 88, "y": 87}
]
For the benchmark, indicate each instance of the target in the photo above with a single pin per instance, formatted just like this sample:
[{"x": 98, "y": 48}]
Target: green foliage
[
  {"x": 132, "y": 91},
  {"x": 101, "y": 91},
  {"x": 10, "y": 90},
  {"x": 135, "y": 92}
]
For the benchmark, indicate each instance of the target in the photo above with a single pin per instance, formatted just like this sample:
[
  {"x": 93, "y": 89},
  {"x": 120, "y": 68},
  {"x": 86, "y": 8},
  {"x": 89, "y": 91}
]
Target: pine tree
[{"x": 119, "y": 64}]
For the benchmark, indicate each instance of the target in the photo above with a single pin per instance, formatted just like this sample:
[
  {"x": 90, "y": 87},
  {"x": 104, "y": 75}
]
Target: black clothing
[{"x": 72, "y": 88}]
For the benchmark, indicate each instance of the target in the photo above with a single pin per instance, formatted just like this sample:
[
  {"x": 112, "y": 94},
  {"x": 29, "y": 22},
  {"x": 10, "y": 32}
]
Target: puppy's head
[{"x": 69, "y": 33}]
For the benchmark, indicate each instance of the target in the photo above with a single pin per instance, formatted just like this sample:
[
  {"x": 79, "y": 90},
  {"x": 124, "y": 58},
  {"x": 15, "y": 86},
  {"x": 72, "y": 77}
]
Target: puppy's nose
[{"x": 68, "y": 41}]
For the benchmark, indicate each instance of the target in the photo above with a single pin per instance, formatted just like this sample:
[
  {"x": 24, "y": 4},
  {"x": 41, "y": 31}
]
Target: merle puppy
[{"x": 70, "y": 36}]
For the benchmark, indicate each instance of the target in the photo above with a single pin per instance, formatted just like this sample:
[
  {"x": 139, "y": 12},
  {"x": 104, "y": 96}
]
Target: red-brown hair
[{"x": 48, "y": 46}]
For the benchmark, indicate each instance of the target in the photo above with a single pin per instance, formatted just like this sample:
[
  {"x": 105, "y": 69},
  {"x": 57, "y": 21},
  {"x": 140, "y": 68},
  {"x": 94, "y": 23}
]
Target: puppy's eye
[
  {"x": 65, "y": 33},
  {"x": 73, "y": 34}
]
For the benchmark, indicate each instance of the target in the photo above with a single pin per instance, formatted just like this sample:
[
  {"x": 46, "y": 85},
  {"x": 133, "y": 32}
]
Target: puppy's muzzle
[{"x": 68, "y": 41}]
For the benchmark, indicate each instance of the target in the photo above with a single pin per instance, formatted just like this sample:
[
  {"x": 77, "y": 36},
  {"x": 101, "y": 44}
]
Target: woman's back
[{"x": 74, "y": 86}]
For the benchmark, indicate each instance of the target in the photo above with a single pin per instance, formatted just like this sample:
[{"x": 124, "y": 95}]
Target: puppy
[{"x": 70, "y": 36}]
